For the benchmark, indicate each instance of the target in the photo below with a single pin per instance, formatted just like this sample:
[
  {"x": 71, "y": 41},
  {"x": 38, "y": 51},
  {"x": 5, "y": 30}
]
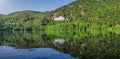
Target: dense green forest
[
  {"x": 95, "y": 23},
  {"x": 84, "y": 15}
]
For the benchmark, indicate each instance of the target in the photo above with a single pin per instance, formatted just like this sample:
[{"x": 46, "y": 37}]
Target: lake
[
  {"x": 7, "y": 52},
  {"x": 42, "y": 45}
]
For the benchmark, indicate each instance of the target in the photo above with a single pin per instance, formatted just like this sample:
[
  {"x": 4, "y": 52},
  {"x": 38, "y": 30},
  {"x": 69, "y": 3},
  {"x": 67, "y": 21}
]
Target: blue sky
[{"x": 9, "y": 6}]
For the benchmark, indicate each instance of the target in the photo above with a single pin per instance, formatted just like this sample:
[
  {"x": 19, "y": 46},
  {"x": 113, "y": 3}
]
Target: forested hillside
[
  {"x": 80, "y": 15},
  {"x": 21, "y": 20},
  {"x": 1, "y": 15},
  {"x": 89, "y": 15}
]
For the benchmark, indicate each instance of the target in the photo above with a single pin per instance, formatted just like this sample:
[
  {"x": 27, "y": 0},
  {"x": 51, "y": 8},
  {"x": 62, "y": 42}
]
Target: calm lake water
[
  {"x": 7, "y": 52},
  {"x": 36, "y": 45}
]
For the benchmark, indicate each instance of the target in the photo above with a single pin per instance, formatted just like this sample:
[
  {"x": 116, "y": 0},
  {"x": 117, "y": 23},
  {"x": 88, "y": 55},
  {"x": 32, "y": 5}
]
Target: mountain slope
[
  {"x": 90, "y": 14},
  {"x": 21, "y": 20},
  {"x": 80, "y": 14},
  {"x": 89, "y": 8},
  {"x": 1, "y": 15}
]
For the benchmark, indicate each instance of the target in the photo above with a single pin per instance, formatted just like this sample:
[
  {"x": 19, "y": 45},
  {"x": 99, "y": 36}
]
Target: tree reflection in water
[{"x": 87, "y": 47}]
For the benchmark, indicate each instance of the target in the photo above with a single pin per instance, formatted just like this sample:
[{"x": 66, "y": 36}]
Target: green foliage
[
  {"x": 89, "y": 21},
  {"x": 88, "y": 15},
  {"x": 103, "y": 46}
]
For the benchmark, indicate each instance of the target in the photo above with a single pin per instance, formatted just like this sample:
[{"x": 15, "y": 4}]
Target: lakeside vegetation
[
  {"x": 88, "y": 15},
  {"x": 95, "y": 23}
]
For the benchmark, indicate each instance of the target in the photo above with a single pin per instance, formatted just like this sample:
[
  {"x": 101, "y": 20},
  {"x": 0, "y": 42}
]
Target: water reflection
[
  {"x": 7, "y": 52},
  {"x": 58, "y": 42},
  {"x": 85, "y": 47}
]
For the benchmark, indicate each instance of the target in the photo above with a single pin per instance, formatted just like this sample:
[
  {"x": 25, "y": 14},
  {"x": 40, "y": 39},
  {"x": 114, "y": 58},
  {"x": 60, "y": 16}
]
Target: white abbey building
[{"x": 60, "y": 18}]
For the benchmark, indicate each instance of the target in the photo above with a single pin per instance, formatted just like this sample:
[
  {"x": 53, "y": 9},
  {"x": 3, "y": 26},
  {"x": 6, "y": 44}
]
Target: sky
[{"x": 9, "y": 6}]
